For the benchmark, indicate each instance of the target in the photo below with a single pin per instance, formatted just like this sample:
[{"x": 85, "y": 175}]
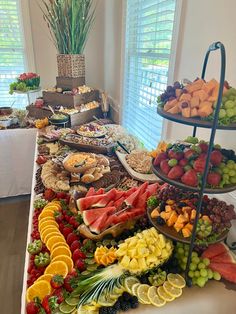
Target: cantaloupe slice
[
  {"x": 205, "y": 111},
  {"x": 193, "y": 214},
  {"x": 186, "y": 112},
  {"x": 185, "y": 97},
  {"x": 196, "y": 85},
  {"x": 186, "y": 232},
  {"x": 178, "y": 92},
  {"x": 174, "y": 110},
  {"x": 194, "y": 102},
  {"x": 194, "y": 112},
  {"x": 170, "y": 104},
  {"x": 173, "y": 218}
]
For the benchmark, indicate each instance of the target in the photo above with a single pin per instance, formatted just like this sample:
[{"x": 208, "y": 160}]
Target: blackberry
[
  {"x": 160, "y": 221},
  {"x": 117, "y": 305},
  {"x": 103, "y": 310},
  {"x": 134, "y": 299},
  {"x": 162, "y": 206},
  {"x": 126, "y": 296},
  {"x": 144, "y": 280},
  {"x": 125, "y": 306},
  {"x": 111, "y": 310},
  {"x": 134, "y": 305}
]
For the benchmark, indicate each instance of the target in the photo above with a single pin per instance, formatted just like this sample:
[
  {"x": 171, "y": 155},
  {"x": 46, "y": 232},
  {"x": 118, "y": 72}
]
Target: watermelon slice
[
  {"x": 86, "y": 202},
  {"x": 227, "y": 271},
  {"x": 100, "y": 191},
  {"x": 91, "y": 192},
  {"x": 111, "y": 203},
  {"x": 119, "y": 202},
  {"x": 226, "y": 258},
  {"x": 130, "y": 191},
  {"x": 152, "y": 188},
  {"x": 119, "y": 194},
  {"x": 129, "y": 214},
  {"x": 131, "y": 200},
  {"x": 215, "y": 250},
  {"x": 91, "y": 215},
  {"x": 141, "y": 202},
  {"x": 105, "y": 199},
  {"x": 100, "y": 223}
]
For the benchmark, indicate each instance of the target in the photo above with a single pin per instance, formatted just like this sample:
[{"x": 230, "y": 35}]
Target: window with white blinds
[
  {"x": 148, "y": 41},
  {"x": 12, "y": 54}
]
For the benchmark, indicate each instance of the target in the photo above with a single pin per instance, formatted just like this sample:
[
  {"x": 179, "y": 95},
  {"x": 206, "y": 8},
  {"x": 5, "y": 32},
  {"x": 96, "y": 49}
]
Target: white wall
[{"x": 202, "y": 23}]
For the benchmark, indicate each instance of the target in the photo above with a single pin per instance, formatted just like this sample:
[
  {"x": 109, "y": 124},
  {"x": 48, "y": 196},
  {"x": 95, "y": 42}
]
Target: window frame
[{"x": 166, "y": 125}]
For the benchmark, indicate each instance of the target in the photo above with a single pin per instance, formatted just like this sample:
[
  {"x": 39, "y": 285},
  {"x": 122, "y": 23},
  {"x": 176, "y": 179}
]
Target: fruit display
[
  {"x": 185, "y": 162},
  {"x": 25, "y": 82},
  {"x": 176, "y": 209},
  {"x": 92, "y": 130},
  {"x": 102, "y": 210},
  {"x": 198, "y": 99}
]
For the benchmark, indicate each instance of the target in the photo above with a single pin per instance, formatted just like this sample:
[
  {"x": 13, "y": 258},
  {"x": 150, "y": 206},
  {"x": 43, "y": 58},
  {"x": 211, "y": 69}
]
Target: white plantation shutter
[
  {"x": 12, "y": 54},
  {"x": 149, "y": 30}
]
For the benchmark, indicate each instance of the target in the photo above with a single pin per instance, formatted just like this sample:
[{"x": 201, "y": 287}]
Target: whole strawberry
[
  {"x": 57, "y": 281},
  {"x": 49, "y": 304},
  {"x": 190, "y": 178},
  {"x": 213, "y": 178},
  {"x": 216, "y": 157},
  {"x": 32, "y": 308},
  {"x": 165, "y": 168},
  {"x": 176, "y": 172}
]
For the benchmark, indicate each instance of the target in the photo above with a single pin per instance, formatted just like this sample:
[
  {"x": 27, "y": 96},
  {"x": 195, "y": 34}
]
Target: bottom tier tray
[{"x": 174, "y": 235}]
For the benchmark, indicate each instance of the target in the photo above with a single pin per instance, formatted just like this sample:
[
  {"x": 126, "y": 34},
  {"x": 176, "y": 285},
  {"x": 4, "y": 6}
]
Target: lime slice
[
  {"x": 173, "y": 291},
  {"x": 105, "y": 300},
  {"x": 118, "y": 290},
  {"x": 129, "y": 282},
  {"x": 176, "y": 280},
  {"x": 135, "y": 288},
  {"x": 73, "y": 301},
  {"x": 66, "y": 308},
  {"x": 142, "y": 294},
  {"x": 165, "y": 296},
  {"x": 83, "y": 310},
  {"x": 84, "y": 273},
  {"x": 154, "y": 298}
]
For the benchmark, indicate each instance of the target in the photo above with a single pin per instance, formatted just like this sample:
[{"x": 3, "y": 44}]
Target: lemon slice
[
  {"x": 165, "y": 296},
  {"x": 173, "y": 291},
  {"x": 154, "y": 297},
  {"x": 72, "y": 301},
  {"x": 142, "y": 293},
  {"x": 83, "y": 310},
  {"x": 105, "y": 300},
  {"x": 135, "y": 288},
  {"x": 129, "y": 282},
  {"x": 176, "y": 280},
  {"x": 66, "y": 308}
]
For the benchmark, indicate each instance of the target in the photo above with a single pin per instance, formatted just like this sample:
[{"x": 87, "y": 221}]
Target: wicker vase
[{"x": 71, "y": 65}]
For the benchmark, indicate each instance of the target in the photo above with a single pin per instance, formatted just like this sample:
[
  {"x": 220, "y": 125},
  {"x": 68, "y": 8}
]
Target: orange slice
[
  {"x": 59, "y": 243},
  {"x": 53, "y": 207},
  {"x": 46, "y": 219},
  {"x": 46, "y": 277},
  {"x": 57, "y": 268},
  {"x": 66, "y": 259},
  {"x": 49, "y": 223},
  {"x": 39, "y": 289},
  {"x": 46, "y": 213},
  {"x": 54, "y": 240},
  {"x": 47, "y": 231},
  {"x": 60, "y": 250},
  {"x": 50, "y": 235}
]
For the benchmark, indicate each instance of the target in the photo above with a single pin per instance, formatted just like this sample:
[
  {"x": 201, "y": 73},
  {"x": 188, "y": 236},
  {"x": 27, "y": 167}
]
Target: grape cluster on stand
[
  {"x": 169, "y": 93},
  {"x": 198, "y": 268}
]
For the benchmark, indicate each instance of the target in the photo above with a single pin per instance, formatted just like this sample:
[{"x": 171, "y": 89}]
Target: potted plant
[{"x": 69, "y": 22}]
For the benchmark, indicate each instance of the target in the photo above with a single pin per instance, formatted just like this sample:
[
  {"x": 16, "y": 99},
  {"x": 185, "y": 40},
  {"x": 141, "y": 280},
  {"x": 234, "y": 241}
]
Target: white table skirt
[{"x": 17, "y": 147}]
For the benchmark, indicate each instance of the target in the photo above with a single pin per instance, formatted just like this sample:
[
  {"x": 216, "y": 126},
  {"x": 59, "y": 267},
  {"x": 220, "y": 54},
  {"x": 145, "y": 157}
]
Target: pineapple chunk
[
  {"x": 157, "y": 251},
  {"x": 151, "y": 259},
  {"x": 123, "y": 246},
  {"x": 143, "y": 252},
  {"x": 132, "y": 253},
  {"x": 162, "y": 241},
  {"x": 142, "y": 263},
  {"x": 151, "y": 248},
  {"x": 121, "y": 252},
  {"x": 133, "y": 265},
  {"x": 133, "y": 242},
  {"x": 168, "y": 247},
  {"x": 125, "y": 261},
  {"x": 164, "y": 253}
]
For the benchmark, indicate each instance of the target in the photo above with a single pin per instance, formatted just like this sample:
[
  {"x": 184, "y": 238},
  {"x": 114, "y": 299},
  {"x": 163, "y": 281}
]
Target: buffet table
[
  {"x": 16, "y": 161},
  {"x": 215, "y": 298}
]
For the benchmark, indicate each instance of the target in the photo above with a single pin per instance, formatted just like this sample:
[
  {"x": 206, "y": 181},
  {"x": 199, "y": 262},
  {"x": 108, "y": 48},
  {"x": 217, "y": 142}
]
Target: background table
[{"x": 17, "y": 147}]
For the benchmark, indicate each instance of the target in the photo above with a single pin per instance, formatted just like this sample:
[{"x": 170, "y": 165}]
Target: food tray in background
[{"x": 134, "y": 174}]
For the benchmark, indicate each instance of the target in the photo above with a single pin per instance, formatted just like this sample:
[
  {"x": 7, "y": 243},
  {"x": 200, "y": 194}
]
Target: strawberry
[
  {"x": 199, "y": 165},
  {"x": 189, "y": 154},
  {"x": 58, "y": 216},
  {"x": 70, "y": 282},
  {"x": 176, "y": 172},
  {"x": 190, "y": 178},
  {"x": 57, "y": 281},
  {"x": 49, "y": 304},
  {"x": 71, "y": 238},
  {"x": 32, "y": 308},
  {"x": 203, "y": 146},
  {"x": 213, "y": 178},
  {"x": 75, "y": 245},
  {"x": 216, "y": 157},
  {"x": 72, "y": 221},
  {"x": 60, "y": 293},
  {"x": 80, "y": 264},
  {"x": 61, "y": 195},
  {"x": 78, "y": 254},
  {"x": 165, "y": 168},
  {"x": 159, "y": 158},
  {"x": 67, "y": 230},
  {"x": 183, "y": 162},
  {"x": 49, "y": 194},
  {"x": 175, "y": 154}
]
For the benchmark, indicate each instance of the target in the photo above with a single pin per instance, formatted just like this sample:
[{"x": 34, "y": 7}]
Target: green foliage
[{"x": 69, "y": 22}]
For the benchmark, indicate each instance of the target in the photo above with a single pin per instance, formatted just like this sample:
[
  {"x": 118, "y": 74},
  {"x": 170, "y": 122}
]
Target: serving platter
[
  {"x": 161, "y": 175},
  {"x": 100, "y": 132},
  {"x": 171, "y": 233},
  {"x": 193, "y": 121},
  {"x": 134, "y": 174}
]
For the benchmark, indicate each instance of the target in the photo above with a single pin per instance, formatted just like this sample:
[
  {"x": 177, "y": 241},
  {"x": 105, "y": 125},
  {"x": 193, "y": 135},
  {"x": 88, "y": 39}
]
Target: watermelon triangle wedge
[
  {"x": 91, "y": 192},
  {"x": 215, "y": 250},
  {"x": 152, "y": 188},
  {"x": 131, "y": 200},
  {"x": 100, "y": 191},
  {"x": 100, "y": 223},
  {"x": 86, "y": 202},
  {"x": 226, "y": 258},
  {"x": 105, "y": 199},
  {"x": 91, "y": 215},
  {"x": 227, "y": 271}
]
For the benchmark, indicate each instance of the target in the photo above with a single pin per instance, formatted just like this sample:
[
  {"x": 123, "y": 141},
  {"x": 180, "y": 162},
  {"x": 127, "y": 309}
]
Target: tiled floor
[{"x": 13, "y": 232}]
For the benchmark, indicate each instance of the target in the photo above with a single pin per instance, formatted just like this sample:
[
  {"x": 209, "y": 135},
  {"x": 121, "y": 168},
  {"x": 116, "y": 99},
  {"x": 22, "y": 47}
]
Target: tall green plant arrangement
[{"x": 69, "y": 22}]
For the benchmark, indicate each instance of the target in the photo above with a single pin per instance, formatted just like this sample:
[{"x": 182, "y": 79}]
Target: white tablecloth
[{"x": 17, "y": 149}]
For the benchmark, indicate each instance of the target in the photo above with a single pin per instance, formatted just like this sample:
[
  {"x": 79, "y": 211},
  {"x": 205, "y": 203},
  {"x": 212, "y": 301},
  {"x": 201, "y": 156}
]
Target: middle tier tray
[{"x": 180, "y": 185}]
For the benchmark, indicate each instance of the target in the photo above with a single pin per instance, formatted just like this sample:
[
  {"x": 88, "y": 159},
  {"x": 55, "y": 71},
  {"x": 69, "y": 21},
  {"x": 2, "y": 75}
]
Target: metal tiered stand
[{"x": 205, "y": 124}]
